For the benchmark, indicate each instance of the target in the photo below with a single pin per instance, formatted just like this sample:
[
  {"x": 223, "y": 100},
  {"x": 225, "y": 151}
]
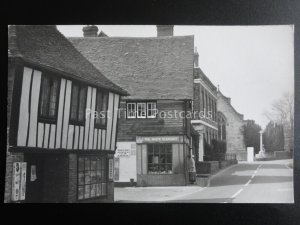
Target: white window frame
[
  {"x": 128, "y": 111},
  {"x": 137, "y": 110},
  {"x": 152, "y": 110}
]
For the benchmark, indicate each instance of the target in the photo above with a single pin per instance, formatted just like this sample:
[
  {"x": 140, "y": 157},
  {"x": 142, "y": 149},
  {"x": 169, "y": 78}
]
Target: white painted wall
[{"x": 127, "y": 167}]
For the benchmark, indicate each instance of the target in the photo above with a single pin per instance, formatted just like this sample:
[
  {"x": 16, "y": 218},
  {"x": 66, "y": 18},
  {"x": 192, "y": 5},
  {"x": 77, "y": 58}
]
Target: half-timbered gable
[{"x": 63, "y": 121}]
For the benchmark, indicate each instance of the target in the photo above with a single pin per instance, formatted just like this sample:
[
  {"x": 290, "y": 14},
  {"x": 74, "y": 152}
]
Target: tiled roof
[
  {"x": 227, "y": 100},
  {"x": 47, "y": 47},
  {"x": 148, "y": 68}
]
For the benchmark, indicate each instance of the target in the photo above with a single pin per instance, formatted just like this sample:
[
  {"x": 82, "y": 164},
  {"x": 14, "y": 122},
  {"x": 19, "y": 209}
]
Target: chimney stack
[
  {"x": 164, "y": 30},
  {"x": 196, "y": 58},
  {"x": 90, "y": 31}
]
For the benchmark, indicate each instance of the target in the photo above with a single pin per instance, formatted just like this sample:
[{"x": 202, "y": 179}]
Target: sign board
[
  {"x": 122, "y": 152},
  {"x": 158, "y": 139},
  {"x": 19, "y": 181},
  {"x": 110, "y": 169}
]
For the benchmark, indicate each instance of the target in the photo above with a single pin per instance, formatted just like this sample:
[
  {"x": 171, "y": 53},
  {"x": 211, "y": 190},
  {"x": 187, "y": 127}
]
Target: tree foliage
[
  {"x": 273, "y": 137},
  {"x": 250, "y": 131}
]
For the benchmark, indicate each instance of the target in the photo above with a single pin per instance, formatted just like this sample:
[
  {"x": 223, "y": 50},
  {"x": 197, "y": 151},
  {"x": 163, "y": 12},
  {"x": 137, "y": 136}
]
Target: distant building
[
  {"x": 55, "y": 151},
  {"x": 230, "y": 125},
  {"x": 204, "y": 109},
  {"x": 152, "y": 147}
]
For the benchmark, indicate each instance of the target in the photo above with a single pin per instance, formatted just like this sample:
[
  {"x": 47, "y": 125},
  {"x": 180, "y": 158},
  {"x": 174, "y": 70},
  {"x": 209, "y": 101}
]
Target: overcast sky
[{"x": 253, "y": 65}]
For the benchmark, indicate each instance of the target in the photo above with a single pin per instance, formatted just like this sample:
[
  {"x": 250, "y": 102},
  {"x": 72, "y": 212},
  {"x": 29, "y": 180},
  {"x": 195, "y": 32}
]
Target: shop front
[{"x": 162, "y": 160}]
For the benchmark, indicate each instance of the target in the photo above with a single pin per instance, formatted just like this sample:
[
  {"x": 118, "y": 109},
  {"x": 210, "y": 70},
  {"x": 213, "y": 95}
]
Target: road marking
[
  {"x": 248, "y": 183},
  {"x": 237, "y": 193},
  {"x": 252, "y": 176},
  {"x": 288, "y": 167}
]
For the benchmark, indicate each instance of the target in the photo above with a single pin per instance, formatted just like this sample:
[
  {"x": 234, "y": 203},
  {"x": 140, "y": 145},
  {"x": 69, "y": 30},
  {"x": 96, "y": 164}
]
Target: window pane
[
  {"x": 80, "y": 192},
  {"x": 87, "y": 177},
  {"x": 87, "y": 163},
  {"x": 99, "y": 106},
  {"x": 82, "y": 101},
  {"x": 93, "y": 176},
  {"x": 104, "y": 108},
  {"x": 98, "y": 189},
  {"x": 81, "y": 164},
  {"x": 151, "y": 109},
  {"x": 45, "y": 96},
  {"x": 53, "y": 98},
  {"x": 74, "y": 102},
  {"x": 103, "y": 189},
  {"x": 93, "y": 190},
  {"x": 141, "y": 110},
  {"x": 87, "y": 191},
  {"x": 81, "y": 178}
]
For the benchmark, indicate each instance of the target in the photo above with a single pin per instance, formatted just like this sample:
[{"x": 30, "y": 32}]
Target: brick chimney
[
  {"x": 90, "y": 31},
  {"x": 165, "y": 30},
  {"x": 196, "y": 58}
]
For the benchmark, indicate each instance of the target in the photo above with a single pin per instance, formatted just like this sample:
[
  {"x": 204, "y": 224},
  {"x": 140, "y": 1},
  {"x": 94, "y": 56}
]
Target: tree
[
  {"x": 282, "y": 112},
  {"x": 250, "y": 131},
  {"x": 273, "y": 137}
]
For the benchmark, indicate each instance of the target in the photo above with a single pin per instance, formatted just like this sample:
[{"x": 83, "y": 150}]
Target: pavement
[{"x": 257, "y": 182}]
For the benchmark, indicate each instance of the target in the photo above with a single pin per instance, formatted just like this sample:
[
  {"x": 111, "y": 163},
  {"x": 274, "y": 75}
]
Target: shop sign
[
  {"x": 111, "y": 169},
  {"x": 122, "y": 152},
  {"x": 19, "y": 181},
  {"x": 158, "y": 139}
]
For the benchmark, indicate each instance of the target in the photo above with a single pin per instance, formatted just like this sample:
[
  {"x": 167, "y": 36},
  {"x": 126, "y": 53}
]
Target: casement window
[
  {"x": 141, "y": 110},
  {"x": 131, "y": 110},
  {"x": 49, "y": 97},
  {"x": 159, "y": 158},
  {"x": 92, "y": 177},
  {"x": 101, "y": 109},
  {"x": 151, "y": 110},
  {"x": 78, "y": 103}
]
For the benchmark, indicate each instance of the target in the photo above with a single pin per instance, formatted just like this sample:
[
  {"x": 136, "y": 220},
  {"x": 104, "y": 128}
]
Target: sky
[{"x": 253, "y": 65}]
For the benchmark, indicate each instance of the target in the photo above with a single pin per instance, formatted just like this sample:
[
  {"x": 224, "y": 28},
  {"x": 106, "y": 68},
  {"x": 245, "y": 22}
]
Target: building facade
[
  {"x": 205, "y": 120},
  {"x": 153, "y": 144},
  {"x": 57, "y": 149},
  {"x": 233, "y": 122}
]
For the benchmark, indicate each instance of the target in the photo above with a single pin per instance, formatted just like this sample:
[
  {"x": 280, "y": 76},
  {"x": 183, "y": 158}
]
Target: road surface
[{"x": 259, "y": 182}]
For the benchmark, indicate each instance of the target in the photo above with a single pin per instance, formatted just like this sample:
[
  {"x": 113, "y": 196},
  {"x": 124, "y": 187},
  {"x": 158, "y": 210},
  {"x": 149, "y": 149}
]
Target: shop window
[
  {"x": 92, "y": 177},
  {"x": 49, "y": 97},
  {"x": 159, "y": 158},
  {"x": 101, "y": 108},
  {"x": 78, "y": 104}
]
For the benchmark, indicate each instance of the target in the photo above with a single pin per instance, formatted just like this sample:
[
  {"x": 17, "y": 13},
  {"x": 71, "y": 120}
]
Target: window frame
[
  {"x": 136, "y": 109},
  {"x": 104, "y": 93},
  {"x": 155, "y": 114},
  {"x": 106, "y": 180},
  {"x": 80, "y": 87},
  {"x": 43, "y": 118}
]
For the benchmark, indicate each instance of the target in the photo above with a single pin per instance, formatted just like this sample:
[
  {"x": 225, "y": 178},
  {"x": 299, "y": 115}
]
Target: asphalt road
[{"x": 259, "y": 182}]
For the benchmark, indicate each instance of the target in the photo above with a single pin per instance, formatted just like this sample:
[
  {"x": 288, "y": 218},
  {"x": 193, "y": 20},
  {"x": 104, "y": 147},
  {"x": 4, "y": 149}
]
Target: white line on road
[
  {"x": 237, "y": 193},
  {"x": 252, "y": 176},
  {"x": 248, "y": 183}
]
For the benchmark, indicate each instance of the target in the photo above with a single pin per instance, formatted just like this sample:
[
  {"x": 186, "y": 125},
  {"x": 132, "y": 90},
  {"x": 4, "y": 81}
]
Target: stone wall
[{"x": 234, "y": 136}]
